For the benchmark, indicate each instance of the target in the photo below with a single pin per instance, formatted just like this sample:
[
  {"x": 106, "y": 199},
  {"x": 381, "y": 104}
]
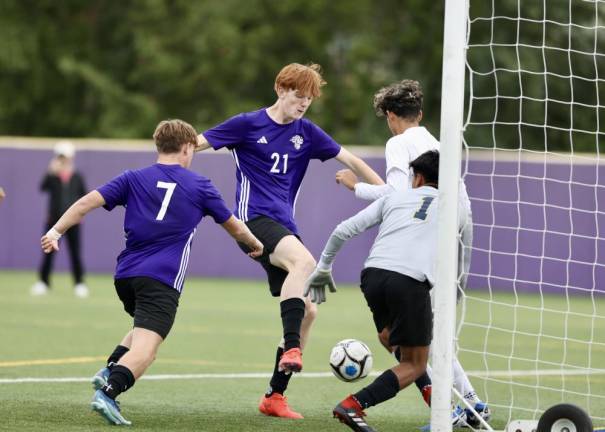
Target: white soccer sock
[
  {"x": 462, "y": 383},
  {"x": 429, "y": 371}
]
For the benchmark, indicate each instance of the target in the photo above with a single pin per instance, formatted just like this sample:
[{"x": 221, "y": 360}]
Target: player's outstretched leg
[
  {"x": 123, "y": 375},
  {"x": 466, "y": 389},
  {"x": 292, "y": 256},
  {"x": 292, "y": 314},
  {"x": 273, "y": 403},
  {"x": 104, "y": 400}
]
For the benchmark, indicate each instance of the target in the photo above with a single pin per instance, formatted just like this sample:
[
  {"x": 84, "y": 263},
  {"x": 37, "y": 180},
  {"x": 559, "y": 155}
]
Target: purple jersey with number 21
[
  {"x": 164, "y": 204},
  {"x": 271, "y": 160}
]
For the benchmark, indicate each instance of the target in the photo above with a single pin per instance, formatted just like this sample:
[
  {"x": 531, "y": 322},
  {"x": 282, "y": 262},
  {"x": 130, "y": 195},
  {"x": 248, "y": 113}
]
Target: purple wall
[
  {"x": 321, "y": 205},
  {"x": 516, "y": 196},
  {"x": 538, "y": 225}
]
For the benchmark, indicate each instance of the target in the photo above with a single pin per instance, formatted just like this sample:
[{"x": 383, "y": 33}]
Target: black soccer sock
[
  {"x": 385, "y": 387},
  {"x": 423, "y": 381},
  {"x": 116, "y": 355},
  {"x": 120, "y": 379},
  {"x": 279, "y": 380},
  {"x": 292, "y": 314}
]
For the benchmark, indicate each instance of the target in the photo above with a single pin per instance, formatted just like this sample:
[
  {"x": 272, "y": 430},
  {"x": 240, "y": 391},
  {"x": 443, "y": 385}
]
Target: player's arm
[
  {"x": 240, "y": 232},
  {"x": 73, "y": 216},
  {"x": 321, "y": 278},
  {"x": 359, "y": 168},
  {"x": 396, "y": 180},
  {"x": 202, "y": 143}
]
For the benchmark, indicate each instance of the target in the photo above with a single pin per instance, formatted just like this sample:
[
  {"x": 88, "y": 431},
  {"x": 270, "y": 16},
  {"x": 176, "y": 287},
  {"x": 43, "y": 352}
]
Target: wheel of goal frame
[{"x": 565, "y": 418}]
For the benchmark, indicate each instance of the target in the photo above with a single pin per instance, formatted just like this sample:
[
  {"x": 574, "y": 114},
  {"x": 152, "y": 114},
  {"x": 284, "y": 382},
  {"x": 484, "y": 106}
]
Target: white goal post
[
  {"x": 452, "y": 108},
  {"x": 522, "y": 115}
]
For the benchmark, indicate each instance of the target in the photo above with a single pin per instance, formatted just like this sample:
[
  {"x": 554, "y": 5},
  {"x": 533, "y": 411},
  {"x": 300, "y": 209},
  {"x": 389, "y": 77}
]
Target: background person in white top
[
  {"x": 401, "y": 103},
  {"x": 395, "y": 281}
]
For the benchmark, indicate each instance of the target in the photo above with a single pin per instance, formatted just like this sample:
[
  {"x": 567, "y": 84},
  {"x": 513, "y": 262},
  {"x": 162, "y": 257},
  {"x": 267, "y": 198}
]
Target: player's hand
[
  {"x": 2, "y": 194},
  {"x": 201, "y": 144},
  {"x": 257, "y": 249},
  {"x": 317, "y": 283},
  {"x": 49, "y": 245},
  {"x": 50, "y": 240},
  {"x": 347, "y": 178}
]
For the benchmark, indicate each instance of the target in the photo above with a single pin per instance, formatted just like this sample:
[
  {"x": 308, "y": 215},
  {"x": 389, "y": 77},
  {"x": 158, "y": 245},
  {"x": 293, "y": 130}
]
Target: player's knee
[
  {"x": 310, "y": 311},
  {"x": 148, "y": 356},
  {"x": 306, "y": 264},
  {"x": 383, "y": 337}
]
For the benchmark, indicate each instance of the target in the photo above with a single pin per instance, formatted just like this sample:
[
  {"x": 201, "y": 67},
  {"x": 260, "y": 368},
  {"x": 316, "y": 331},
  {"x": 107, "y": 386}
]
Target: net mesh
[{"x": 532, "y": 322}]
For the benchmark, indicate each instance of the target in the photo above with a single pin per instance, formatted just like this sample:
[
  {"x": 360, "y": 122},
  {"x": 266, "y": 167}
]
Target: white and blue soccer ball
[{"x": 351, "y": 360}]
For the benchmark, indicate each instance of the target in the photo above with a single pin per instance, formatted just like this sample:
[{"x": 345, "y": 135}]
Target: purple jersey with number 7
[
  {"x": 271, "y": 160},
  {"x": 164, "y": 204}
]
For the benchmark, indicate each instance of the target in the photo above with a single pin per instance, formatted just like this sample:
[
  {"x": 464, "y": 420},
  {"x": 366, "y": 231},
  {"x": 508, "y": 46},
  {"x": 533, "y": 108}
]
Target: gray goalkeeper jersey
[{"x": 407, "y": 238}]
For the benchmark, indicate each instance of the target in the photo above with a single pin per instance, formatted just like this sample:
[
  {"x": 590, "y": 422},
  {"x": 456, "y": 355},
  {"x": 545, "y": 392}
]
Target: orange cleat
[
  {"x": 291, "y": 360},
  {"x": 276, "y": 405}
]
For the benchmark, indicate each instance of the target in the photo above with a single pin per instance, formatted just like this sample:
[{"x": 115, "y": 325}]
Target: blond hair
[{"x": 171, "y": 135}]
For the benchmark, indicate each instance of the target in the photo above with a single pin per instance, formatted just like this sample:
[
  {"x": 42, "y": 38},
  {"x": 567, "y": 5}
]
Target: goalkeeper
[
  {"x": 401, "y": 103},
  {"x": 395, "y": 281}
]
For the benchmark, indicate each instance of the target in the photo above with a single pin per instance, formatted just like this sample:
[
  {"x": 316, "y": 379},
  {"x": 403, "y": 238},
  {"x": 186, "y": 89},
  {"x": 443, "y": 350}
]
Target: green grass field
[{"x": 222, "y": 327}]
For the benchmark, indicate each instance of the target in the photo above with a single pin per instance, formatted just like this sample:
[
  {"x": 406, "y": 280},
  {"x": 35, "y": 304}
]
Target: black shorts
[
  {"x": 400, "y": 303},
  {"x": 152, "y": 303},
  {"x": 269, "y": 233}
]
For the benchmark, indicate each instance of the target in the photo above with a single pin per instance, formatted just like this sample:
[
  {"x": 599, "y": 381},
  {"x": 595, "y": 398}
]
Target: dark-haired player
[
  {"x": 395, "y": 281},
  {"x": 402, "y": 103},
  {"x": 272, "y": 148},
  {"x": 164, "y": 204}
]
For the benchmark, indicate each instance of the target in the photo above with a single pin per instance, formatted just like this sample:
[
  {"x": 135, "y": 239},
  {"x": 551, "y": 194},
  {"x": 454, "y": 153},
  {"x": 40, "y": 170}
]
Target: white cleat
[
  {"x": 81, "y": 291},
  {"x": 39, "y": 289}
]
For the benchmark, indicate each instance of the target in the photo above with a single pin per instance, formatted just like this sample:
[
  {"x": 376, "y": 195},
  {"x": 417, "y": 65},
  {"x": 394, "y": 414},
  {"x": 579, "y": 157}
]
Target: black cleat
[{"x": 350, "y": 413}]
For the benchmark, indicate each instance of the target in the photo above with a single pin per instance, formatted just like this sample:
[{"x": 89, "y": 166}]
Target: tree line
[{"x": 109, "y": 68}]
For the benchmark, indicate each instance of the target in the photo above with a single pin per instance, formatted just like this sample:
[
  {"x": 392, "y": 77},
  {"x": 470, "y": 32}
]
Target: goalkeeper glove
[{"x": 316, "y": 285}]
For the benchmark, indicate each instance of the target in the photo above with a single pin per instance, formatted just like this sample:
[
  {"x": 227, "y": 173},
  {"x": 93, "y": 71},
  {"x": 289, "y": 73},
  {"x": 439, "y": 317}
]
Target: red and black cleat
[
  {"x": 426, "y": 391},
  {"x": 350, "y": 413}
]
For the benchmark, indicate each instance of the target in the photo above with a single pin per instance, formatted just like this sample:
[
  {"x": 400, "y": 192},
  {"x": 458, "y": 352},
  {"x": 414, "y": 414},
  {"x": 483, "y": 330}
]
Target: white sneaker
[
  {"x": 81, "y": 290},
  {"x": 39, "y": 289}
]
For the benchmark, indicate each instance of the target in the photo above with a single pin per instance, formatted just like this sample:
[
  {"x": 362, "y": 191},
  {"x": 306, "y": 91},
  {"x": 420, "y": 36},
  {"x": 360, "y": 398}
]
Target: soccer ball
[{"x": 351, "y": 360}]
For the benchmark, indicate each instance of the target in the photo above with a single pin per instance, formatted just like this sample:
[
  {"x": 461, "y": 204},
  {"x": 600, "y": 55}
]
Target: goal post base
[
  {"x": 558, "y": 418},
  {"x": 522, "y": 426}
]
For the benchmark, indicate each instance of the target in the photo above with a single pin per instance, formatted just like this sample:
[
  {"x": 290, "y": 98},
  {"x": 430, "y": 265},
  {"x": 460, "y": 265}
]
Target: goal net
[{"x": 531, "y": 325}]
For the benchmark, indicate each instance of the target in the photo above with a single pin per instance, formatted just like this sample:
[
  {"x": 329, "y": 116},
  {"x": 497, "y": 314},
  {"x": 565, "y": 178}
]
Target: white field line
[{"x": 479, "y": 374}]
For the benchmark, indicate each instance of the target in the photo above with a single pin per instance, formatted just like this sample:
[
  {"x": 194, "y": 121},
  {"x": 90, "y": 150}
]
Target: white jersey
[
  {"x": 403, "y": 149},
  {"x": 399, "y": 152},
  {"x": 407, "y": 238}
]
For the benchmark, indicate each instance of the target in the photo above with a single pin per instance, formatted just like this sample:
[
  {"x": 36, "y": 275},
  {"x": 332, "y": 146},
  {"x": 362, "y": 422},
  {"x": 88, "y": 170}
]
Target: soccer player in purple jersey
[
  {"x": 272, "y": 148},
  {"x": 164, "y": 204}
]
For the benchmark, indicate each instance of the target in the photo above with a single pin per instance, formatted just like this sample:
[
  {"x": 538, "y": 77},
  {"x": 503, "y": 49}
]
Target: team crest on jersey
[{"x": 297, "y": 140}]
